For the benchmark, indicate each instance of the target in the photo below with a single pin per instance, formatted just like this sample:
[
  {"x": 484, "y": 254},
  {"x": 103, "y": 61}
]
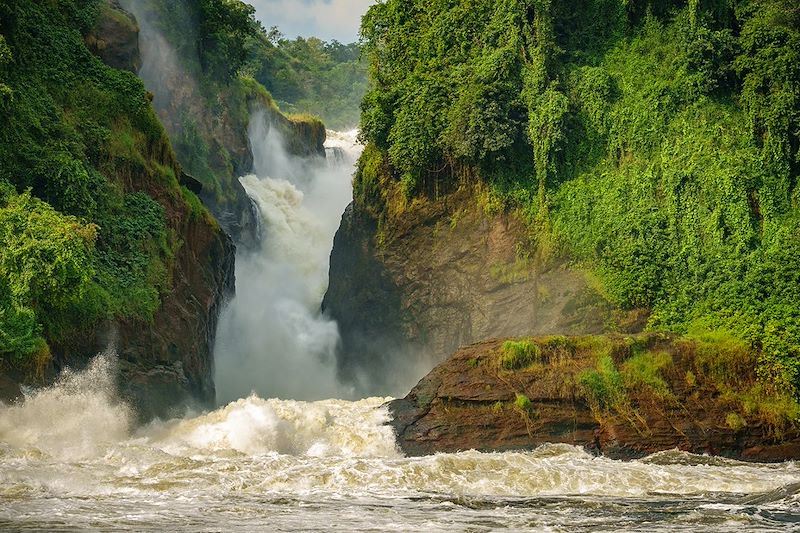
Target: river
[
  {"x": 71, "y": 461},
  {"x": 71, "y": 458}
]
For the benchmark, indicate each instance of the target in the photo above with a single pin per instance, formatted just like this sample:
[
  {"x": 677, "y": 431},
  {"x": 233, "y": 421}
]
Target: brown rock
[
  {"x": 9, "y": 390},
  {"x": 442, "y": 274},
  {"x": 468, "y": 402}
]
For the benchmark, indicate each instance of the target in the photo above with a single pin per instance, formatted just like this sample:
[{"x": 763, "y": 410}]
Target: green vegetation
[
  {"x": 223, "y": 30},
  {"x": 644, "y": 371},
  {"x": 87, "y": 186},
  {"x": 735, "y": 422},
  {"x": 604, "y": 385},
  {"x": 519, "y": 354},
  {"x": 522, "y": 402},
  {"x": 326, "y": 79},
  {"x": 208, "y": 109},
  {"x": 208, "y": 91},
  {"x": 729, "y": 365},
  {"x": 656, "y": 142}
]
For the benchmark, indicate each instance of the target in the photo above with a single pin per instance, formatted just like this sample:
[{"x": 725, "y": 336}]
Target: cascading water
[
  {"x": 70, "y": 458},
  {"x": 272, "y": 338}
]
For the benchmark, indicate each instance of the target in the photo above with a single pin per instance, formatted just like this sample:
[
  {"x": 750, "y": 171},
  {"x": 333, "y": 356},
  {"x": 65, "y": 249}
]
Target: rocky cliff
[
  {"x": 153, "y": 274},
  {"x": 624, "y": 397},
  {"x": 439, "y": 274}
]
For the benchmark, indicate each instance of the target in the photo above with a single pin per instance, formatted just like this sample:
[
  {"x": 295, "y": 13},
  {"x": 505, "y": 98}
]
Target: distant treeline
[{"x": 327, "y": 79}]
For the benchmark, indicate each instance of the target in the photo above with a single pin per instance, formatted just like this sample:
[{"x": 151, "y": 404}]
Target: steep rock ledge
[
  {"x": 473, "y": 401},
  {"x": 443, "y": 274}
]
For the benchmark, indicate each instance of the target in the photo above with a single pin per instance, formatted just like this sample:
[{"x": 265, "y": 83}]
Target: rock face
[
  {"x": 115, "y": 37},
  {"x": 167, "y": 365},
  {"x": 444, "y": 275},
  {"x": 170, "y": 364},
  {"x": 472, "y": 401}
]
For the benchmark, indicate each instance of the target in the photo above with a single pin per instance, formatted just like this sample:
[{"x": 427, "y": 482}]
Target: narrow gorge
[{"x": 544, "y": 278}]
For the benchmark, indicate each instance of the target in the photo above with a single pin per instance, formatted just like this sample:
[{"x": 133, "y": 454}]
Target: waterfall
[{"x": 272, "y": 338}]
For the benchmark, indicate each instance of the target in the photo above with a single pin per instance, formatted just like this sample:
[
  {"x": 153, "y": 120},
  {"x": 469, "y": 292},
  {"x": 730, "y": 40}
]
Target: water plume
[{"x": 75, "y": 418}]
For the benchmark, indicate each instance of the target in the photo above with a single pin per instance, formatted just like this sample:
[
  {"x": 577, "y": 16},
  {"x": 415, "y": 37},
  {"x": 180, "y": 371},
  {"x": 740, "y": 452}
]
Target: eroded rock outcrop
[
  {"x": 620, "y": 396},
  {"x": 115, "y": 37},
  {"x": 170, "y": 364},
  {"x": 443, "y": 274}
]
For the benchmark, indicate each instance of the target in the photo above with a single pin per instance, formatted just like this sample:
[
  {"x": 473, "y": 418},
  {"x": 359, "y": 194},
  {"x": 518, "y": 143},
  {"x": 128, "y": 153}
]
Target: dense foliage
[
  {"x": 656, "y": 142},
  {"x": 82, "y": 238},
  {"x": 224, "y": 27},
  {"x": 327, "y": 79}
]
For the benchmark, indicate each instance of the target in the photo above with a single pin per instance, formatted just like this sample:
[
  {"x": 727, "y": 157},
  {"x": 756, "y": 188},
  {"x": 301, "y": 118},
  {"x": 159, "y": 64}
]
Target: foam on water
[
  {"x": 255, "y": 426},
  {"x": 70, "y": 446},
  {"x": 78, "y": 419}
]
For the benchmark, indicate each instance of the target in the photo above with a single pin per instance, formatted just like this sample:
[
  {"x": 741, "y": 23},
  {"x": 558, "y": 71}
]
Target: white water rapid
[{"x": 70, "y": 461}]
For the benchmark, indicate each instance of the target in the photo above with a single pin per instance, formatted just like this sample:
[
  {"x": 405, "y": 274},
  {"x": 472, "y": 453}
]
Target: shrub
[
  {"x": 644, "y": 372},
  {"x": 735, "y": 422},
  {"x": 522, "y": 402},
  {"x": 603, "y": 385},
  {"x": 46, "y": 268},
  {"x": 515, "y": 355}
]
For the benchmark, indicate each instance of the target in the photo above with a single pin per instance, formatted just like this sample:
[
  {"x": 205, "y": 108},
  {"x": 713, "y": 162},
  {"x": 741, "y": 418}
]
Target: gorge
[{"x": 577, "y": 226}]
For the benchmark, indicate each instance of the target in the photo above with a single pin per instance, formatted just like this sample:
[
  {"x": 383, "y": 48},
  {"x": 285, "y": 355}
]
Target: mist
[
  {"x": 161, "y": 69},
  {"x": 272, "y": 338}
]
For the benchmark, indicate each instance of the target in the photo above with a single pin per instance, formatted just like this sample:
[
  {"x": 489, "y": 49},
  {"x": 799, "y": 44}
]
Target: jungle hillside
[{"x": 655, "y": 144}]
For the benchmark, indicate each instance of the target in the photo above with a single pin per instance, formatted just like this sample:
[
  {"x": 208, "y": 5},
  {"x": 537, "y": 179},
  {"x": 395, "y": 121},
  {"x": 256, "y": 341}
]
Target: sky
[{"x": 326, "y": 19}]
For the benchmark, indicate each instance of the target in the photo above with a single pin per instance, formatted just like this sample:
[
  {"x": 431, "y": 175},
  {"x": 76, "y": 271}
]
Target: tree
[{"x": 225, "y": 26}]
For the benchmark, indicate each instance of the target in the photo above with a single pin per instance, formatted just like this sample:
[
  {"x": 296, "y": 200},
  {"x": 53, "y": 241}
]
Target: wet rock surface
[
  {"x": 170, "y": 363},
  {"x": 471, "y": 402},
  {"x": 442, "y": 275}
]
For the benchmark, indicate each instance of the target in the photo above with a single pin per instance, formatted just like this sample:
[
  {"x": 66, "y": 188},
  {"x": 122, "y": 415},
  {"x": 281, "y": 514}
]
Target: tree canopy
[{"x": 654, "y": 142}]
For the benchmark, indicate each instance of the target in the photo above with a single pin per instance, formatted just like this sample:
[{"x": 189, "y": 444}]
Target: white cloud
[{"x": 326, "y": 19}]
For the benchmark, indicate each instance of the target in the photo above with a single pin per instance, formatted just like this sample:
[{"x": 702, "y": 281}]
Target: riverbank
[{"x": 620, "y": 396}]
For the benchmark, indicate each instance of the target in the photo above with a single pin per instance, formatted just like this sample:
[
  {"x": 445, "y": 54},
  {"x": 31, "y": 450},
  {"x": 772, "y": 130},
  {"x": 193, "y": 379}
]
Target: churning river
[{"x": 72, "y": 459}]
